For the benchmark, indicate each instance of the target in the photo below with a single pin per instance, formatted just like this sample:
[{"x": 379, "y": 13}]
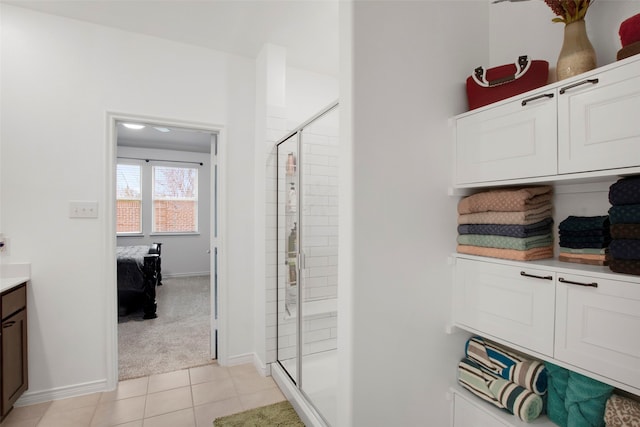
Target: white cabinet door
[
  {"x": 599, "y": 121},
  {"x": 506, "y": 302},
  {"x": 598, "y": 328},
  {"x": 509, "y": 141}
]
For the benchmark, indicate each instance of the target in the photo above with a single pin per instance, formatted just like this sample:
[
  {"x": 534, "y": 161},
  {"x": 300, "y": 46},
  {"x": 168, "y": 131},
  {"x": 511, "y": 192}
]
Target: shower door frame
[{"x": 300, "y": 264}]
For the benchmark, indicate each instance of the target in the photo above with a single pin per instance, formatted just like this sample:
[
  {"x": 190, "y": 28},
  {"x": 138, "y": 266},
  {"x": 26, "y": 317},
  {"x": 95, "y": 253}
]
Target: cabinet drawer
[
  {"x": 14, "y": 300},
  {"x": 598, "y": 125},
  {"x": 507, "y": 142},
  {"x": 597, "y": 327},
  {"x": 512, "y": 303}
]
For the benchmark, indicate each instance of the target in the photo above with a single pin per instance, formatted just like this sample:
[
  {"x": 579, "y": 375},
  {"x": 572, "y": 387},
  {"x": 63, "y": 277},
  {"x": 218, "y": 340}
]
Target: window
[
  {"x": 175, "y": 199},
  {"x": 128, "y": 199}
]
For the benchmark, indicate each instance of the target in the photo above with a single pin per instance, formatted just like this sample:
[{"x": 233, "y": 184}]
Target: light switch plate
[{"x": 83, "y": 209}]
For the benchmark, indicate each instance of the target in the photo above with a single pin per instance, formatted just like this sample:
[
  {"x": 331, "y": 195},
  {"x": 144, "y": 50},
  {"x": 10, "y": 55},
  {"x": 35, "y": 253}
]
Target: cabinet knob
[{"x": 570, "y": 282}]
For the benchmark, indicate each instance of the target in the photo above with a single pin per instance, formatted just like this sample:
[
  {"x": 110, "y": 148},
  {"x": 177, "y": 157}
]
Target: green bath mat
[{"x": 279, "y": 414}]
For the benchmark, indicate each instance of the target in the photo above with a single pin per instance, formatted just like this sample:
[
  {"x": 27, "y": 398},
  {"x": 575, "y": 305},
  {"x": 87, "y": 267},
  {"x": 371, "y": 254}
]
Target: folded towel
[
  {"x": 629, "y": 30},
  {"x": 625, "y": 266},
  {"x": 585, "y": 401},
  {"x": 625, "y": 249},
  {"x": 503, "y": 242},
  {"x": 558, "y": 380},
  {"x": 510, "y": 230},
  {"x": 506, "y": 200},
  {"x": 625, "y": 231},
  {"x": 593, "y": 257},
  {"x": 584, "y": 239},
  {"x": 530, "y": 216},
  {"x": 625, "y": 191},
  {"x": 528, "y": 255},
  {"x": 595, "y": 251},
  {"x": 504, "y": 394},
  {"x": 585, "y": 261},
  {"x": 625, "y": 214},
  {"x": 592, "y": 245},
  {"x": 506, "y": 364},
  {"x": 603, "y": 232},
  {"x": 621, "y": 411},
  {"x": 521, "y": 402},
  {"x": 580, "y": 223}
]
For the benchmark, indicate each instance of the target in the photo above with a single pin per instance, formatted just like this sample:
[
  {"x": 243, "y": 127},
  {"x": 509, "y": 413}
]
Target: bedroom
[{"x": 164, "y": 206}]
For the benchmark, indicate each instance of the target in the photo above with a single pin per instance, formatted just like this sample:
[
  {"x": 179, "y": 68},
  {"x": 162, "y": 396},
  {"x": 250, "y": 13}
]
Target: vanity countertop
[
  {"x": 7, "y": 283},
  {"x": 14, "y": 274}
]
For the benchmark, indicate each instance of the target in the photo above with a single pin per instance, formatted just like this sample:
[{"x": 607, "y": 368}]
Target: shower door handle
[{"x": 302, "y": 260}]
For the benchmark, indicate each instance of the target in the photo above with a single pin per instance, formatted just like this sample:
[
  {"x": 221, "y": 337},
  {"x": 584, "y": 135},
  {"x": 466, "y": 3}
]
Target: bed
[{"x": 139, "y": 272}]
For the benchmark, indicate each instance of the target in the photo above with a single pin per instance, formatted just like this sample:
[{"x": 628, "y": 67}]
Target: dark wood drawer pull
[
  {"x": 544, "y": 95},
  {"x": 566, "y": 88},
  {"x": 591, "y": 285},
  {"x": 522, "y": 273}
]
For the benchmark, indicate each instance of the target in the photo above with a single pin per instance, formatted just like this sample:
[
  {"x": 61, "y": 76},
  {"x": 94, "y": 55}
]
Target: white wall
[
  {"x": 59, "y": 79},
  {"x": 410, "y": 61},
  {"x": 521, "y": 28},
  {"x": 182, "y": 254}
]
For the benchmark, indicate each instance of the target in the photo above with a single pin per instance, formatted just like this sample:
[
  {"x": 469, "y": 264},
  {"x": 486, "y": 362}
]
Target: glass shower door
[{"x": 288, "y": 259}]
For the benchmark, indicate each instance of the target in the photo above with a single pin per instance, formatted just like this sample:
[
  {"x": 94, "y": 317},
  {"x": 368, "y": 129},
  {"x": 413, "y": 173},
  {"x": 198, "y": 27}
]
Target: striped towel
[
  {"x": 496, "y": 360},
  {"x": 519, "y": 401},
  {"x": 501, "y": 393}
]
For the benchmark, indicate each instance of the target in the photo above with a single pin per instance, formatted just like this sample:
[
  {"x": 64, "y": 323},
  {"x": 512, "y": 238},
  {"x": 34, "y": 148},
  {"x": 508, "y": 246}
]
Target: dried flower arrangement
[{"x": 569, "y": 11}]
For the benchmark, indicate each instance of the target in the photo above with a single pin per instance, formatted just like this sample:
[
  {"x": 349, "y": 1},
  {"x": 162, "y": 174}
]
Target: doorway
[{"x": 146, "y": 158}]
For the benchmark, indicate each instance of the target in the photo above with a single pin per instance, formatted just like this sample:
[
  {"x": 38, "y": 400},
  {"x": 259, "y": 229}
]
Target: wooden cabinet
[
  {"x": 511, "y": 303},
  {"x": 13, "y": 346},
  {"x": 597, "y": 324},
  {"x": 585, "y": 124}
]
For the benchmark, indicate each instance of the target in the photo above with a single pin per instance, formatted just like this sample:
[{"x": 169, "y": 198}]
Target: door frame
[{"x": 218, "y": 211}]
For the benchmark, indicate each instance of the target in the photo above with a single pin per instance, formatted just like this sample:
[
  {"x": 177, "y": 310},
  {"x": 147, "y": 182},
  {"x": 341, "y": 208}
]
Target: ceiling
[
  {"x": 181, "y": 139},
  {"x": 307, "y": 29}
]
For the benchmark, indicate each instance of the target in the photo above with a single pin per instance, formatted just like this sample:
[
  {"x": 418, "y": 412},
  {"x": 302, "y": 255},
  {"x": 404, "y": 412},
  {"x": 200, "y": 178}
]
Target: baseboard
[
  {"x": 305, "y": 411},
  {"x": 31, "y": 398},
  {"x": 179, "y": 275},
  {"x": 243, "y": 359}
]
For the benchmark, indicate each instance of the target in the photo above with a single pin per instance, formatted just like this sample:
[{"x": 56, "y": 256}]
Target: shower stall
[{"x": 307, "y": 264}]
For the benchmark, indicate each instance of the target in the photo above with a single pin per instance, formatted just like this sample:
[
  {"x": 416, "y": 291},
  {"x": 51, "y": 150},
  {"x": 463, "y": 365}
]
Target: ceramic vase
[{"x": 577, "y": 54}]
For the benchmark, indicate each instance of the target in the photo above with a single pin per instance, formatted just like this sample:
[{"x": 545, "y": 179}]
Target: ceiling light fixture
[
  {"x": 133, "y": 126},
  {"x": 163, "y": 130}
]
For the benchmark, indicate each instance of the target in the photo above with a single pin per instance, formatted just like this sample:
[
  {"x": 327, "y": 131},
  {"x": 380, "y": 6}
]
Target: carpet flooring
[
  {"x": 179, "y": 338},
  {"x": 279, "y": 414}
]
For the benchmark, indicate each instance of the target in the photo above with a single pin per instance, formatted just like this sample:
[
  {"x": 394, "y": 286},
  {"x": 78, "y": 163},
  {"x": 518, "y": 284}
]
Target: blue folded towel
[
  {"x": 586, "y": 401},
  {"x": 558, "y": 380}
]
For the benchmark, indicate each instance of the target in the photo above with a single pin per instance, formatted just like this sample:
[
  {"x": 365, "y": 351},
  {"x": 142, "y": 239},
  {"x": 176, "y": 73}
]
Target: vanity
[{"x": 13, "y": 334}]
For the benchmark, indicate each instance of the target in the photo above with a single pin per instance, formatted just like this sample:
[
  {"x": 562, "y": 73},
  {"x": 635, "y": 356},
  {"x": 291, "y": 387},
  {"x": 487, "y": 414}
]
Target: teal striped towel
[
  {"x": 503, "y": 394},
  {"x": 530, "y": 374}
]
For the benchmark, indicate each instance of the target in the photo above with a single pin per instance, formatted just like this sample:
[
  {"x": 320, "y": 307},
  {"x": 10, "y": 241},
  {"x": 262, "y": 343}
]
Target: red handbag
[{"x": 487, "y": 86}]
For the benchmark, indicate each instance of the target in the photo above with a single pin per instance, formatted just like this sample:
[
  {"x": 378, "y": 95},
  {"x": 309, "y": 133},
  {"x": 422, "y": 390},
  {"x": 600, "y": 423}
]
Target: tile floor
[{"x": 185, "y": 398}]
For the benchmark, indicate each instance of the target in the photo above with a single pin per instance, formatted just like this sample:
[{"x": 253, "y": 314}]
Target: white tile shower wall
[{"x": 320, "y": 240}]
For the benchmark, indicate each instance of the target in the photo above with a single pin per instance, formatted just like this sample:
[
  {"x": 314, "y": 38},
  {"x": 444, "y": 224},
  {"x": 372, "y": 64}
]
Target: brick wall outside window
[
  {"x": 172, "y": 216},
  {"x": 128, "y": 215}
]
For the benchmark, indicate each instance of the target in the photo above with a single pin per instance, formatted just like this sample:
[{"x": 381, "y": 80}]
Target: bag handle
[{"x": 522, "y": 66}]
